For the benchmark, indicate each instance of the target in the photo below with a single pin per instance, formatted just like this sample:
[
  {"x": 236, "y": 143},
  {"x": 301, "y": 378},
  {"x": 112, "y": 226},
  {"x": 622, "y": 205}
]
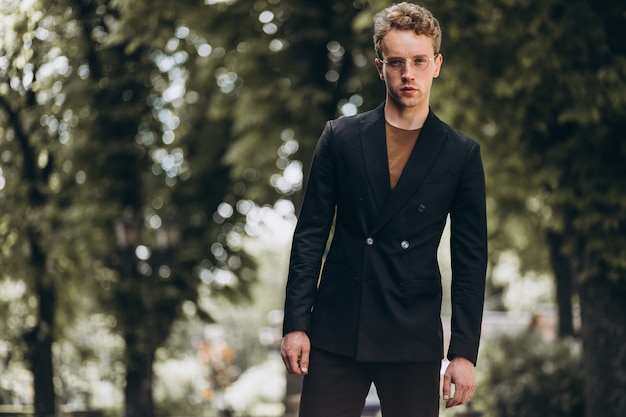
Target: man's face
[{"x": 408, "y": 87}]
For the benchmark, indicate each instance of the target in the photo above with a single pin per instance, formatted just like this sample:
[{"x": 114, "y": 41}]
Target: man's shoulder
[
  {"x": 370, "y": 116},
  {"x": 453, "y": 135}
]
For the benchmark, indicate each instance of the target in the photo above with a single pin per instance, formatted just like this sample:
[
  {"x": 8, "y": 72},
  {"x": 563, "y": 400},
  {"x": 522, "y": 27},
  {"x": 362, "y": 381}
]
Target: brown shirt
[{"x": 400, "y": 144}]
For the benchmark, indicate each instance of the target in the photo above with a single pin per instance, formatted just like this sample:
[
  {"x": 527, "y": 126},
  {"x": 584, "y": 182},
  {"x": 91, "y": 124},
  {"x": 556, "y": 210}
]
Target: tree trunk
[
  {"x": 138, "y": 332},
  {"x": 604, "y": 347},
  {"x": 138, "y": 400},
  {"x": 39, "y": 340},
  {"x": 564, "y": 283},
  {"x": 41, "y": 367}
]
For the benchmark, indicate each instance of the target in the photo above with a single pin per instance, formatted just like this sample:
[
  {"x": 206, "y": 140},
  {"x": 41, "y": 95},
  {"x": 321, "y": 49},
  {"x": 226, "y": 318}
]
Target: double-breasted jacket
[{"x": 373, "y": 291}]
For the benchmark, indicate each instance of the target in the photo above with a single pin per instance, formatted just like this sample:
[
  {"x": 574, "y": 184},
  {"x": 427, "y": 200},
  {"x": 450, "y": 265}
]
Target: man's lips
[{"x": 409, "y": 90}]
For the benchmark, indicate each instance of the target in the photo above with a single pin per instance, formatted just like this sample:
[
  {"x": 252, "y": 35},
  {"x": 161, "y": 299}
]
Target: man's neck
[{"x": 407, "y": 118}]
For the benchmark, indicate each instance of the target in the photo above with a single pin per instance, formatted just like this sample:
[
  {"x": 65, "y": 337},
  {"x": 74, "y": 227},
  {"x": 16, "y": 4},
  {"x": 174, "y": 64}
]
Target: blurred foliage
[
  {"x": 550, "y": 109},
  {"x": 551, "y": 114},
  {"x": 524, "y": 375}
]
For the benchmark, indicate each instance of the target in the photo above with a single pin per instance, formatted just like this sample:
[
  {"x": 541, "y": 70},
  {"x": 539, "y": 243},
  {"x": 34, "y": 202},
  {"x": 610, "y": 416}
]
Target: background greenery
[
  {"x": 525, "y": 375},
  {"x": 191, "y": 123}
]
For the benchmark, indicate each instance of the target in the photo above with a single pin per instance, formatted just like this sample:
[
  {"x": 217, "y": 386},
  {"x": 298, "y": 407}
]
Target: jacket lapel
[
  {"x": 425, "y": 152},
  {"x": 374, "y": 146}
]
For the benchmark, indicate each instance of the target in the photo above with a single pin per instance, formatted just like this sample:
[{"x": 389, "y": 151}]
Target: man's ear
[
  {"x": 438, "y": 63},
  {"x": 379, "y": 68}
]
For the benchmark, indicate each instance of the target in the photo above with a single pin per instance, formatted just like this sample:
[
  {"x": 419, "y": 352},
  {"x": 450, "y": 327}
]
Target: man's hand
[
  {"x": 295, "y": 351},
  {"x": 460, "y": 372}
]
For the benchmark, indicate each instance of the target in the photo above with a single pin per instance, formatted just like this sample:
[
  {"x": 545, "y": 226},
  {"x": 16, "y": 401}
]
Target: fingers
[
  {"x": 291, "y": 358},
  {"x": 461, "y": 396},
  {"x": 447, "y": 383},
  {"x": 459, "y": 373},
  {"x": 303, "y": 362},
  {"x": 295, "y": 351},
  {"x": 291, "y": 362}
]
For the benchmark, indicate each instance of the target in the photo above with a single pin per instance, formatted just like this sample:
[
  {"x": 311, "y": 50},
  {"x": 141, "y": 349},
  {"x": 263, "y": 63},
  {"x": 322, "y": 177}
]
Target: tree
[
  {"x": 113, "y": 154},
  {"x": 36, "y": 189},
  {"x": 549, "y": 80},
  {"x": 156, "y": 157}
]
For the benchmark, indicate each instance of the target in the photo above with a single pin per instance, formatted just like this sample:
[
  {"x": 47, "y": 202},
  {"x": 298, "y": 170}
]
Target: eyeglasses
[{"x": 420, "y": 63}]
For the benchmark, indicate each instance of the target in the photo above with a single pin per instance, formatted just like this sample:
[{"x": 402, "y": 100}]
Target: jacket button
[
  {"x": 369, "y": 241},
  {"x": 404, "y": 244},
  {"x": 421, "y": 208},
  {"x": 355, "y": 281}
]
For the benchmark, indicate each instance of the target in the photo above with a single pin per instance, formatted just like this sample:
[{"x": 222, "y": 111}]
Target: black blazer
[{"x": 378, "y": 297}]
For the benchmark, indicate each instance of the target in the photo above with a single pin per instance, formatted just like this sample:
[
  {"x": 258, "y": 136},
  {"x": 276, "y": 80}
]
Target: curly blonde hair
[{"x": 406, "y": 16}]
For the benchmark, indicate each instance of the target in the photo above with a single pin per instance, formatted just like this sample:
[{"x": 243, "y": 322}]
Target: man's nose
[{"x": 408, "y": 71}]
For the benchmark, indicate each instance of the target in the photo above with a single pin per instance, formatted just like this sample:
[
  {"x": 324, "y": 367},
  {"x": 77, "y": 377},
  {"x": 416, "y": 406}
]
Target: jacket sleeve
[
  {"x": 311, "y": 236},
  {"x": 469, "y": 257}
]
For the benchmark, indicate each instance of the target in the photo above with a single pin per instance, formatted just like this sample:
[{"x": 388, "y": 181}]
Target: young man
[{"x": 388, "y": 178}]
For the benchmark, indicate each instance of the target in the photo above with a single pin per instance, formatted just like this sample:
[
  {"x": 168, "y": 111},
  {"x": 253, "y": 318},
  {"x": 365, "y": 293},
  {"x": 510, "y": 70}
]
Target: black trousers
[{"x": 336, "y": 386}]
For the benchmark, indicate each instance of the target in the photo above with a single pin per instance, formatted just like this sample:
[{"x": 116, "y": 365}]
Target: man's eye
[
  {"x": 396, "y": 63},
  {"x": 421, "y": 60}
]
